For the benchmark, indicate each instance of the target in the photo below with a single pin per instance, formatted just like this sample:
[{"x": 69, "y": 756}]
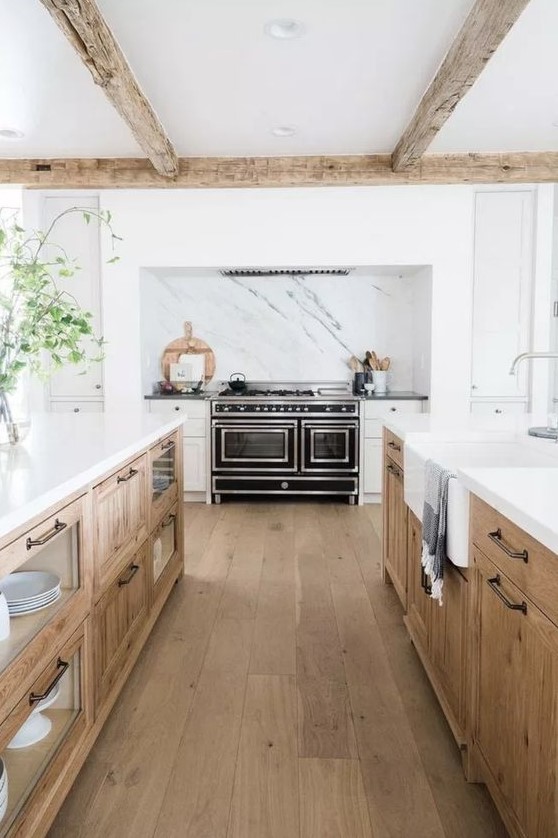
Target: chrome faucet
[{"x": 526, "y": 355}]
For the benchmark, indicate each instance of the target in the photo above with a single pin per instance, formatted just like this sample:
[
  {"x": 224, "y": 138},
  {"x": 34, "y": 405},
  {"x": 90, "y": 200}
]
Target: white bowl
[{"x": 369, "y": 387}]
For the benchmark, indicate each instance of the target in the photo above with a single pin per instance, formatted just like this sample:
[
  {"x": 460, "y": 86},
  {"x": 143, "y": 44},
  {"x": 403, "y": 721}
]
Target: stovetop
[{"x": 252, "y": 393}]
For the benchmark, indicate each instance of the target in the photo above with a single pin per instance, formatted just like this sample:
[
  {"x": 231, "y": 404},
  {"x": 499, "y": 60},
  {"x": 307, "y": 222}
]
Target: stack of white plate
[
  {"x": 3, "y": 788},
  {"x": 29, "y": 591}
]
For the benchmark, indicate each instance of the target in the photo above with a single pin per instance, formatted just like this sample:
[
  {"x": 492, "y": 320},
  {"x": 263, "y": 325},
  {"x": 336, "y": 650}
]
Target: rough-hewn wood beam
[
  {"x": 485, "y": 28},
  {"x": 230, "y": 172},
  {"x": 86, "y": 29}
]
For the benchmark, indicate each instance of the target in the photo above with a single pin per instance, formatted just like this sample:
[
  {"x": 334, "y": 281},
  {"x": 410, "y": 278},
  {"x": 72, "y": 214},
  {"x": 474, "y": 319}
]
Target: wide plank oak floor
[{"x": 278, "y": 697}]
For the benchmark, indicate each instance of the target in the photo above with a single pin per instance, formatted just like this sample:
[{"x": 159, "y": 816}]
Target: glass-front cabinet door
[
  {"x": 164, "y": 475},
  {"x": 164, "y": 550},
  {"x": 40, "y": 735},
  {"x": 329, "y": 446}
]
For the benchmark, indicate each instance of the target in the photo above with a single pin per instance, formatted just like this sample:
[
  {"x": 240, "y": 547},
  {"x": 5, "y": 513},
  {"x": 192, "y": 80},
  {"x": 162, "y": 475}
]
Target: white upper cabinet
[
  {"x": 502, "y": 301},
  {"x": 81, "y": 242}
]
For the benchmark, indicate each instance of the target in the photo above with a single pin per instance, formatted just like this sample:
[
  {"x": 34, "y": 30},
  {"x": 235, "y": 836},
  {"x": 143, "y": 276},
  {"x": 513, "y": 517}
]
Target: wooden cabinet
[
  {"x": 119, "y": 615},
  {"x": 439, "y": 632},
  {"x": 395, "y": 528},
  {"x": 515, "y": 702},
  {"x": 120, "y": 507}
]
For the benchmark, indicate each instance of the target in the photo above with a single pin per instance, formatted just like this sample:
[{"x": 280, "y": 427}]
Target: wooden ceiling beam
[
  {"x": 231, "y": 172},
  {"x": 486, "y": 26},
  {"x": 87, "y": 31}
]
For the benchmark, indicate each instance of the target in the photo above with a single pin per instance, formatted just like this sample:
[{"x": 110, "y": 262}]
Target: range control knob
[
  {"x": 284, "y": 485},
  {"x": 306, "y": 408}
]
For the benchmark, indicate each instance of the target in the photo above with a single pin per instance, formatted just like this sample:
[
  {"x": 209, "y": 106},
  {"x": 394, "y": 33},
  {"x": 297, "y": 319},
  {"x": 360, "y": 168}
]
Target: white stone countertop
[
  {"x": 467, "y": 427},
  {"x": 527, "y": 496},
  {"x": 64, "y": 453}
]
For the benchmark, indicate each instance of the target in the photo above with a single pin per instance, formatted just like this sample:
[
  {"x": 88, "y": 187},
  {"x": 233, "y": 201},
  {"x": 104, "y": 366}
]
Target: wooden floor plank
[
  {"x": 240, "y": 597},
  {"x": 273, "y": 650},
  {"x": 325, "y": 722},
  {"x": 332, "y": 800},
  {"x": 265, "y": 798}
]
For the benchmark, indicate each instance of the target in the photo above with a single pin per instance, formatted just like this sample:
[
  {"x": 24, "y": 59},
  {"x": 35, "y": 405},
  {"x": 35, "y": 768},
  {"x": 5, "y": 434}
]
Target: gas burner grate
[
  {"x": 251, "y": 393},
  {"x": 241, "y": 273}
]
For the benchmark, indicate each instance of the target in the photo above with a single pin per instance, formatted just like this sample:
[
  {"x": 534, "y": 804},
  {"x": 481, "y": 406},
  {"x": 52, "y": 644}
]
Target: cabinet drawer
[
  {"x": 393, "y": 447},
  {"x": 387, "y": 407},
  {"x": 120, "y": 508},
  {"x": 497, "y": 537},
  {"x": 33, "y": 770},
  {"x": 77, "y": 407},
  {"x": 119, "y": 615},
  {"x": 192, "y": 408},
  {"x": 506, "y": 408},
  {"x": 195, "y": 428}
]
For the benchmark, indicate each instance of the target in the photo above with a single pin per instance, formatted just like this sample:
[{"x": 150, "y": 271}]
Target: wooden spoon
[{"x": 384, "y": 365}]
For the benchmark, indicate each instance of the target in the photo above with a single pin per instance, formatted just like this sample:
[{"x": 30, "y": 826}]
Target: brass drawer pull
[
  {"x": 169, "y": 520},
  {"x": 494, "y": 584},
  {"x": 34, "y": 542},
  {"x": 62, "y": 666},
  {"x": 166, "y": 445},
  {"x": 133, "y": 570},
  {"x": 496, "y": 537},
  {"x": 394, "y": 446},
  {"x": 129, "y": 476}
]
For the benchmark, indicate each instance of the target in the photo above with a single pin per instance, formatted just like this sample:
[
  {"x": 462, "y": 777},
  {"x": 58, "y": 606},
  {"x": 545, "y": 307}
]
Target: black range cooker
[{"x": 284, "y": 442}]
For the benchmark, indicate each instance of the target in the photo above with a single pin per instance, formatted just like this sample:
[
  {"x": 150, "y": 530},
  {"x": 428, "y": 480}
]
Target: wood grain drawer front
[
  {"x": 515, "y": 713},
  {"x": 120, "y": 504},
  {"x": 33, "y": 771},
  {"x": 393, "y": 447},
  {"x": 163, "y": 471},
  {"x": 164, "y": 544},
  {"x": 530, "y": 565},
  {"x": 390, "y": 407},
  {"x": 119, "y": 615}
]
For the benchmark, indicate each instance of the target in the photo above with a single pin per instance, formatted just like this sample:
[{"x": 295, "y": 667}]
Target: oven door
[
  {"x": 329, "y": 446},
  {"x": 255, "y": 446}
]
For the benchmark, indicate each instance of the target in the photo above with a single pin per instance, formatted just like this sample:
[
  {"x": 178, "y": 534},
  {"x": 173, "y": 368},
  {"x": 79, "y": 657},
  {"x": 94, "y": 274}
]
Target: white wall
[
  {"x": 284, "y": 328},
  {"x": 266, "y": 227},
  {"x": 421, "y": 330}
]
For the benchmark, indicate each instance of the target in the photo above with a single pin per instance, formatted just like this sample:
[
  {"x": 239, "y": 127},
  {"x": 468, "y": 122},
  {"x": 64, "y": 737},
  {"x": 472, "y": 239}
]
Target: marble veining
[{"x": 281, "y": 328}]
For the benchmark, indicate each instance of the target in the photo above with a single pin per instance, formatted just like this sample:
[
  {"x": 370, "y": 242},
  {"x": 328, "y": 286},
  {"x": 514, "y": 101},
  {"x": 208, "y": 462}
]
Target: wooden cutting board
[{"x": 188, "y": 345}]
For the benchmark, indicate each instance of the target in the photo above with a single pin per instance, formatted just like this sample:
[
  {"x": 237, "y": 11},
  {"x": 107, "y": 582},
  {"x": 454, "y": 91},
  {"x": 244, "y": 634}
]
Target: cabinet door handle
[
  {"x": 494, "y": 584},
  {"x": 496, "y": 537},
  {"x": 169, "y": 520},
  {"x": 129, "y": 476},
  {"x": 424, "y": 583},
  {"x": 394, "y": 446},
  {"x": 393, "y": 470},
  {"x": 62, "y": 667},
  {"x": 126, "y": 581},
  {"x": 168, "y": 444},
  {"x": 34, "y": 542}
]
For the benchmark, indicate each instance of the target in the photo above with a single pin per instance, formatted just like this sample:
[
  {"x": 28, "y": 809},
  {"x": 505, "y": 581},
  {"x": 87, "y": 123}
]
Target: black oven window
[
  {"x": 254, "y": 445},
  {"x": 330, "y": 445}
]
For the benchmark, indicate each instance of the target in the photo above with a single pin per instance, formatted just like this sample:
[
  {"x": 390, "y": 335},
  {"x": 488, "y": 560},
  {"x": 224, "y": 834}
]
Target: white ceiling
[{"x": 350, "y": 83}]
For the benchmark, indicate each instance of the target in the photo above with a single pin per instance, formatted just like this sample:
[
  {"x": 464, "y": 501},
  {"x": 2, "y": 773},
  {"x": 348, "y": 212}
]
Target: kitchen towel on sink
[{"x": 434, "y": 523}]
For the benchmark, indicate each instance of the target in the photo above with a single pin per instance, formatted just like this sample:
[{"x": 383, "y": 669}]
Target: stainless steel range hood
[{"x": 242, "y": 273}]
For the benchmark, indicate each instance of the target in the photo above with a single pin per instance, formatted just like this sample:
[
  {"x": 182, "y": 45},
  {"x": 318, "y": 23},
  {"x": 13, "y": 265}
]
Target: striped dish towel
[{"x": 434, "y": 523}]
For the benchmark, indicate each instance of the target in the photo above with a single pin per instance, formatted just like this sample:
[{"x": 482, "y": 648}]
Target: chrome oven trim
[
  {"x": 342, "y": 424},
  {"x": 349, "y": 476}
]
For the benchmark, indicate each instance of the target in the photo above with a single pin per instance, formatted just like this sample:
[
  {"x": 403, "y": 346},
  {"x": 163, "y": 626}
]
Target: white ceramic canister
[{"x": 380, "y": 381}]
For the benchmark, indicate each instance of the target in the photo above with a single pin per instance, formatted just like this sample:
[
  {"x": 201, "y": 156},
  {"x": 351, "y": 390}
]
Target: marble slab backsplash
[{"x": 281, "y": 328}]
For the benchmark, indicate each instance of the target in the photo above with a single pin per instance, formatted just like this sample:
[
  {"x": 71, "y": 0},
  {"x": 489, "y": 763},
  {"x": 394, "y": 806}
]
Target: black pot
[{"x": 238, "y": 384}]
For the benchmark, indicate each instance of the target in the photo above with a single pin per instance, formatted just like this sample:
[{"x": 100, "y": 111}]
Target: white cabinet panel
[
  {"x": 195, "y": 471},
  {"x": 372, "y": 478},
  {"x": 503, "y": 271},
  {"x": 193, "y": 408},
  {"x": 484, "y": 408},
  {"x": 195, "y": 427},
  {"x": 81, "y": 242}
]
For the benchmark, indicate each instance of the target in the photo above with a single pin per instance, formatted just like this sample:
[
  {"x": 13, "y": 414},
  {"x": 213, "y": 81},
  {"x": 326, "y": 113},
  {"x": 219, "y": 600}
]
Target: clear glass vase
[{"x": 15, "y": 419}]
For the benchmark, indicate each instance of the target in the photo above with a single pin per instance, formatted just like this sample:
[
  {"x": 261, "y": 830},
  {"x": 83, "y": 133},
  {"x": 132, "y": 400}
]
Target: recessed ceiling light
[
  {"x": 11, "y": 134},
  {"x": 284, "y": 29},
  {"x": 283, "y": 130}
]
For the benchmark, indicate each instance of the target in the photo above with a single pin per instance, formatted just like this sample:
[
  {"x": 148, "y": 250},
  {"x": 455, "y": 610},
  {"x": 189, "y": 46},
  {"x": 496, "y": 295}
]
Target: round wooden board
[{"x": 188, "y": 345}]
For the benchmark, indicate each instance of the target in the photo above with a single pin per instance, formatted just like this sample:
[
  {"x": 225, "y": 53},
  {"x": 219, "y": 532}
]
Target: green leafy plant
[{"x": 42, "y": 325}]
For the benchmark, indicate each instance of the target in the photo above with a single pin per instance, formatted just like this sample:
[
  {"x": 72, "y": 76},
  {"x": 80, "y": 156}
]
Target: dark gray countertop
[{"x": 393, "y": 395}]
